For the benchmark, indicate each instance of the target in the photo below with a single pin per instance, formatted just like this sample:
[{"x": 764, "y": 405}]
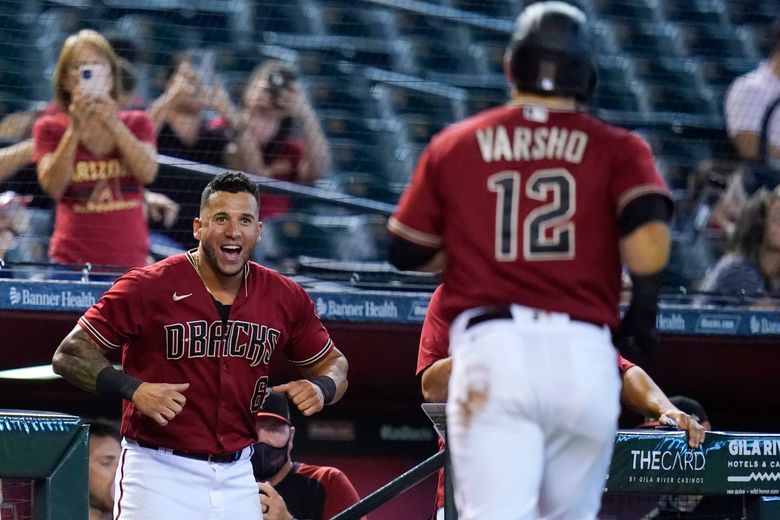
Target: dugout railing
[{"x": 745, "y": 467}]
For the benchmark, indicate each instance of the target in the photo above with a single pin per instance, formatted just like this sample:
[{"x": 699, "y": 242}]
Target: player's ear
[
  {"x": 292, "y": 436},
  {"x": 196, "y": 227}
]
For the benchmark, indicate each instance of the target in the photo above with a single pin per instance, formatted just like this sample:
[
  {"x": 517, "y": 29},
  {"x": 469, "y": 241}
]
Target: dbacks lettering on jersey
[
  {"x": 199, "y": 338},
  {"x": 531, "y": 144}
]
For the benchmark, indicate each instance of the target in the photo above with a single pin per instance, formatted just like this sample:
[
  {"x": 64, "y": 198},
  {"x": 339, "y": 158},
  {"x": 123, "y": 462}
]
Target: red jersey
[
  {"x": 525, "y": 201},
  {"x": 434, "y": 345},
  {"x": 100, "y": 218},
  {"x": 316, "y": 492},
  {"x": 169, "y": 330}
]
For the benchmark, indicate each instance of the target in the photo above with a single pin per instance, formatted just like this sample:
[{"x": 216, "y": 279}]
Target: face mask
[{"x": 267, "y": 460}]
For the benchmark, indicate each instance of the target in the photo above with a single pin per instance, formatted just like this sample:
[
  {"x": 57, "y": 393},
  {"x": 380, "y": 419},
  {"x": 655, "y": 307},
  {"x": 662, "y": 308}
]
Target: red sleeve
[
  {"x": 435, "y": 336},
  {"x": 634, "y": 173},
  {"x": 141, "y": 125},
  {"x": 309, "y": 340},
  {"x": 118, "y": 316},
  {"x": 418, "y": 217},
  {"x": 624, "y": 364},
  {"x": 47, "y": 132},
  {"x": 339, "y": 492}
]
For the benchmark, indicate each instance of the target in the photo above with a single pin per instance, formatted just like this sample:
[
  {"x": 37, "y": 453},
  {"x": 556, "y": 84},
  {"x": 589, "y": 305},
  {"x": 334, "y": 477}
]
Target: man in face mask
[{"x": 293, "y": 490}]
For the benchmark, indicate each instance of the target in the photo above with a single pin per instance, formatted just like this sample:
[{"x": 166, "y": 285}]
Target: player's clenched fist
[
  {"x": 304, "y": 394},
  {"x": 160, "y": 401},
  {"x": 271, "y": 503}
]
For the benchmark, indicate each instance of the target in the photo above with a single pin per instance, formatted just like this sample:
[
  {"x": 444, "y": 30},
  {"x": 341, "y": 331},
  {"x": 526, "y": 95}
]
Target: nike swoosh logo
[{"x": 177, "y": 297}]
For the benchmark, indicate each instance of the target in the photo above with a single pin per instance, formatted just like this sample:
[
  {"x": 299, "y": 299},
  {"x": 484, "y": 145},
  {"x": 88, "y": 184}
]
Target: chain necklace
[{"x": 196, "y": 264}]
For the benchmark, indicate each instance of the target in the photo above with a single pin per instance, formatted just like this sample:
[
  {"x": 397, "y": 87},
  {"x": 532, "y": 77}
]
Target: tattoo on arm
[{"x": 79, "y": 360}]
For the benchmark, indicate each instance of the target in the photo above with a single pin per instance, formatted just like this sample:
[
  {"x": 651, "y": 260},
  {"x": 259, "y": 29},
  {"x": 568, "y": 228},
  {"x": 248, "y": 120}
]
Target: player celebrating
[
  {"x": 198, "y": 332},
  {"x": 529, "y": 208}
]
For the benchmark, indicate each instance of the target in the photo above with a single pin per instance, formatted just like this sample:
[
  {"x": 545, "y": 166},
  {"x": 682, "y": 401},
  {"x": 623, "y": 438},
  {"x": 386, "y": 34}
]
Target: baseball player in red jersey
[
  {"x": 198, "y": 332},
  {"x": 639, "y": 392},
  {"x": 530, "y": 209}
]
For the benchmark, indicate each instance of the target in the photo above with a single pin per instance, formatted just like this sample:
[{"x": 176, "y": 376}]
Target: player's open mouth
[{"x": 231, "y": 252}]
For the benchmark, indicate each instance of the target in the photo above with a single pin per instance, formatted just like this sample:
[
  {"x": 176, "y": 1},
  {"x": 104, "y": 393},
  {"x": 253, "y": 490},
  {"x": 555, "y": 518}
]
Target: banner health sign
[{"x": 725, "y": 464}]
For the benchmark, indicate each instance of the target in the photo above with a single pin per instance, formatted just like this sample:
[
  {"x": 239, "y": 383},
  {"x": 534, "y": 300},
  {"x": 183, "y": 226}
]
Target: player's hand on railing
[
  {"x": 682, "y": 421},
  {"x": 304, "y": 394},
  {"x": 271, "y": 503},
  {"x": 160, "y": 401}
]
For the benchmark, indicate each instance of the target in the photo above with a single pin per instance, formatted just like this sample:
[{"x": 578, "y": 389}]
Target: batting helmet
[{"x": 549, "y": 53}]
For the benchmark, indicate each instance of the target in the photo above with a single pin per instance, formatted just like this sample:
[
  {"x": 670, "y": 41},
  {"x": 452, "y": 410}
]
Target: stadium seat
[
  {"x": 354, "y": 156},
  {"x": 422, "y": 127},
  {"x": 273, "y": 16},
  {"x": 760, "y": 13},
  {"x": 483, "y": 98},
  {"x": 712, "y": 40},
  {"x": 356, "y": 238},
  {"x": 661, "y": 70},
  {"x": 405, "y": 99},
  {"x": 340, "y": 94},
  {"x": 496, "y": 8},
  {"x": 680, "y": 98},
  {"x": 286, "y": 237},
  {"x": 707, "y": 12},
  {"x": 627, "y": 9},
  {"x": 648, "y": 39},
  {"x": 365, "y": 185}
]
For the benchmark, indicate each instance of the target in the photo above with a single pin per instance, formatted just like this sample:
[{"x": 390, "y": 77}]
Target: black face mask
[{"x": 267, "y": 460}]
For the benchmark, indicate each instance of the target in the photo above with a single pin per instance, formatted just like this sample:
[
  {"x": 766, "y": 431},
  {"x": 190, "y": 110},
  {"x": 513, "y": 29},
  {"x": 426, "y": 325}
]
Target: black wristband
[
  {"x": 113, "y": 382},
  {"x": 328, "y": 387},
  {"x": 645, "y": 289}
]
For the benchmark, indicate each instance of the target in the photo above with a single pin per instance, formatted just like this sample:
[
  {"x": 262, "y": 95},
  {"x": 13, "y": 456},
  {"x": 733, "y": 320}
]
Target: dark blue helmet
[{"x": 550, "y": 52}]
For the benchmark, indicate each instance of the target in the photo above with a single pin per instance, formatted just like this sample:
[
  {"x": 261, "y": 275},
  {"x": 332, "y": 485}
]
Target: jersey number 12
[{"x": 548, "y": 231}]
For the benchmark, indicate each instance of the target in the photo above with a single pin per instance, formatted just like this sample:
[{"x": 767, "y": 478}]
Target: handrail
[{"x": 393, "y": 488}]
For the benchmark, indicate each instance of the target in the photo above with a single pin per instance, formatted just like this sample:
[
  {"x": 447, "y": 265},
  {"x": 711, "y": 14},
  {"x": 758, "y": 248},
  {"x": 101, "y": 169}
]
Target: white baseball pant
[
  {"x": 155, "y": 485},
  {"x": 531, "y": 416}
]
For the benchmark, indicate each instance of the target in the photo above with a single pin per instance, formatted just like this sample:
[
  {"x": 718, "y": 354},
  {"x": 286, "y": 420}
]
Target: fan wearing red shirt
[
  {"x": 198, "y": 332},
  {"x": 639, "y": 391},
  {"x": 531, "y": 210},
  {"x": 275, "y": 105},
  {"x": 94, "y": 160},
  {"x": 290, "y": 489}
]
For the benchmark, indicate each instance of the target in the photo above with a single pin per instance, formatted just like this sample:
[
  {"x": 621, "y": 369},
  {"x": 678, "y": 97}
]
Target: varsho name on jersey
[
  {"x": 525, "y": 144},
  {"x": 199, "y": 338}
]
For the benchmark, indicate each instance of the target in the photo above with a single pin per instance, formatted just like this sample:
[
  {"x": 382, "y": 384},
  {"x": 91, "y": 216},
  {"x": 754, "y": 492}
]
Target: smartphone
[{"x": 95, "y": 79}]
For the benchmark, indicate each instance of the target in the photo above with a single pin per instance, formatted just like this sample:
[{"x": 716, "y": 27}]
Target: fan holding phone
[{"x": 94, "y": 159}]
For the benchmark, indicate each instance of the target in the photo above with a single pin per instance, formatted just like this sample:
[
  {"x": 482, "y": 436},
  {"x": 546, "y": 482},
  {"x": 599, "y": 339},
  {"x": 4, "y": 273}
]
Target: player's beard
[{"x": 211, "y": 257}]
